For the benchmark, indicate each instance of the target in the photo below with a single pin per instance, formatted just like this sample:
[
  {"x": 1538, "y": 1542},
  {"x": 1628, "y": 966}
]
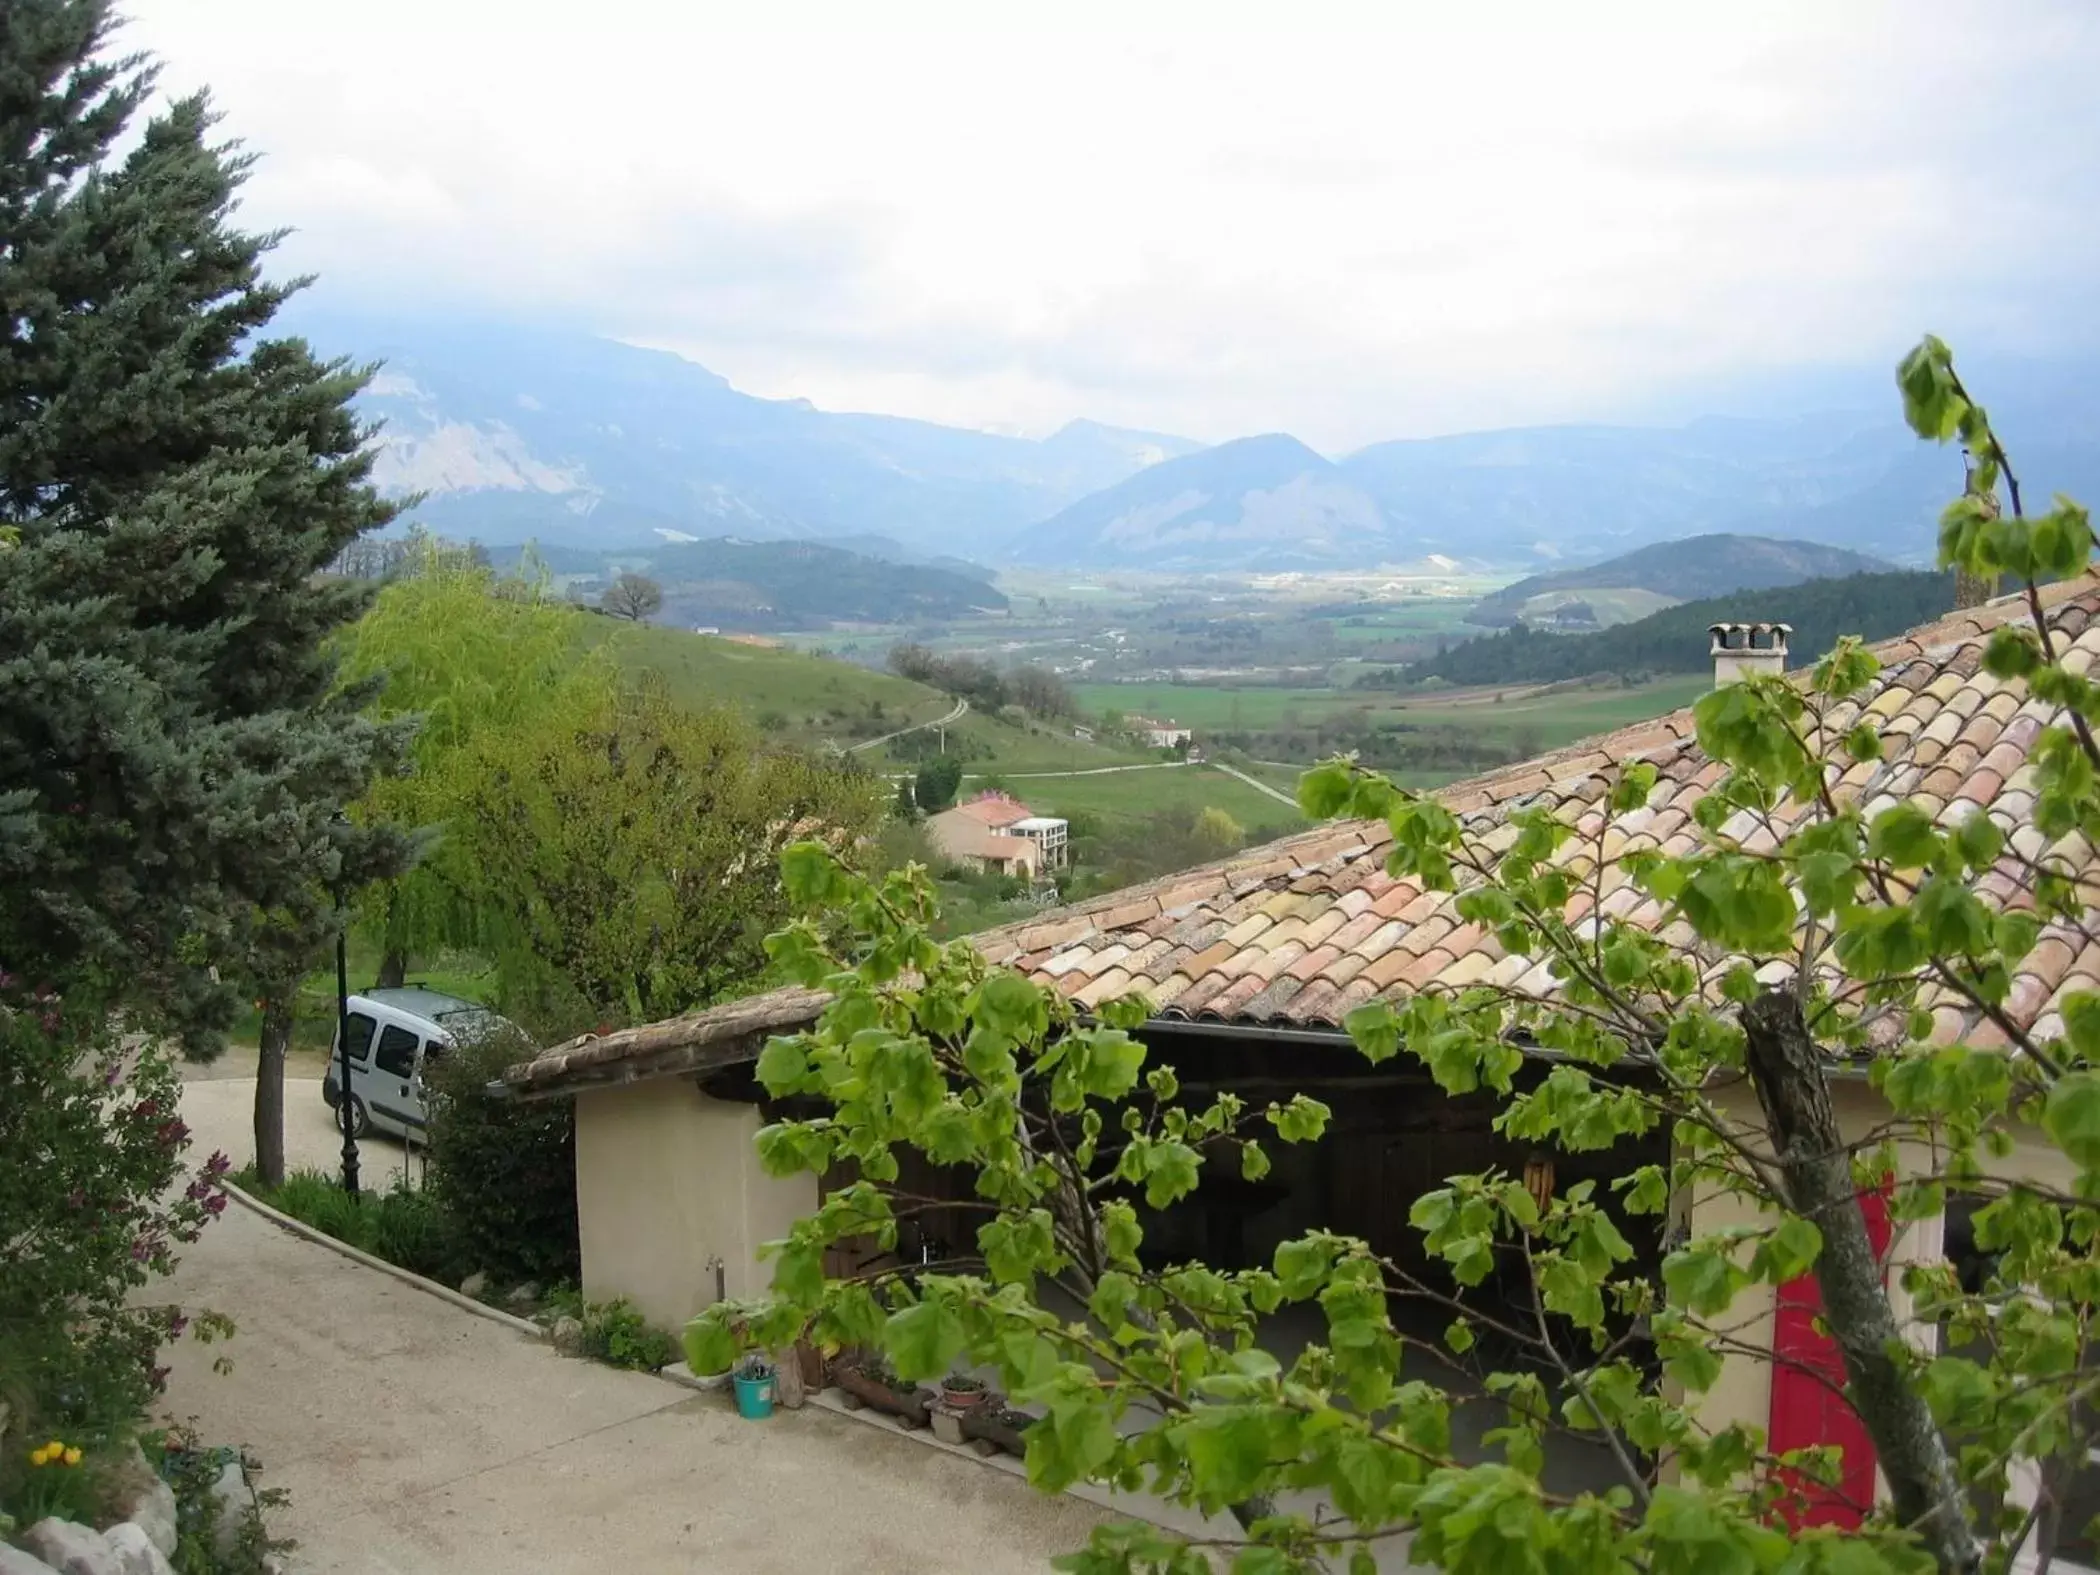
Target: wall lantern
[{"x": 1538, "y": 1180}]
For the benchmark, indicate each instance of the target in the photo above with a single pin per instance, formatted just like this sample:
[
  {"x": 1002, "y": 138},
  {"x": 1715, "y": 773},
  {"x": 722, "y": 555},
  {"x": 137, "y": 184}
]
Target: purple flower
[
  {"x": 176, "y": 1324},
  {"x": 218, "y": 1164},
  {"x": 215, "y": 1205}
]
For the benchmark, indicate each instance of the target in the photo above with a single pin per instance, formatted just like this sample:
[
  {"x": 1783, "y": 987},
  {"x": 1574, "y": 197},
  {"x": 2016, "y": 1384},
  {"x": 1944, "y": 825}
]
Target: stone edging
[{"x": 393, "y": 1270}]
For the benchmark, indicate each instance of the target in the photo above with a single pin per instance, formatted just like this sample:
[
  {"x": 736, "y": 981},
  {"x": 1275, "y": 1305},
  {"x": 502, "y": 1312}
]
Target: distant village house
[
  {"x": 1001, "y": 834},
  {"x": 1160, "y": 735}
]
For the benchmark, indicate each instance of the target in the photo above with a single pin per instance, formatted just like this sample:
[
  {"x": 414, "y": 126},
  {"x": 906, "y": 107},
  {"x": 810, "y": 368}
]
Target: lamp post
[{"x": 342, "y": 1037}]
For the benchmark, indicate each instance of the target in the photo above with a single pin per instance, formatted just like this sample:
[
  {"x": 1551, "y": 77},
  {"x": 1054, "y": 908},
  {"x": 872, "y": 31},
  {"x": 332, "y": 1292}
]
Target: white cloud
[{"x": 1375, "y": 220}]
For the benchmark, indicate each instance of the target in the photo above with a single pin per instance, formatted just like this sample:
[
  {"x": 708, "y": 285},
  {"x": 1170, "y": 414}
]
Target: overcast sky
[{"x": 1398, "y": 219}]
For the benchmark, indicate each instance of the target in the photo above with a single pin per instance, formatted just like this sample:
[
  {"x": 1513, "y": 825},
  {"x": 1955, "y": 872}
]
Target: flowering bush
[{"x": 96, "y": 1195}]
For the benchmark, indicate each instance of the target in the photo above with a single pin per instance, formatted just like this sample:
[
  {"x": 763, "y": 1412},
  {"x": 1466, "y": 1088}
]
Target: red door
[{"x": 1806, "y": 1411}]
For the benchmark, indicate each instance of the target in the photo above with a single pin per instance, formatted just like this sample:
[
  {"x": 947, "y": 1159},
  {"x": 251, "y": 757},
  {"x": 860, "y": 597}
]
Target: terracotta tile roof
[
  {"x": 1254, "y": 939},
  {"x": 1300, "y": 932}
]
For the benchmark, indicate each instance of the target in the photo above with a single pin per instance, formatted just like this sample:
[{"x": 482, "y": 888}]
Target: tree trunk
[
  {"x": 269, "y": 1086},
  {"x": 1816, "y": 1171},
  {"x": 393, "y": 970}
]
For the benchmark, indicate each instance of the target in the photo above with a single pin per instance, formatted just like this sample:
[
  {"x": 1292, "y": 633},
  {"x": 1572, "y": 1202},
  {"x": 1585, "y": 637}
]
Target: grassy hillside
[
  {"x": 805, "y": 699},
  {"x": 1873, "y": 606},
  {"x": 811, "y": 700},
  {"x": 1699, "y": 566}
]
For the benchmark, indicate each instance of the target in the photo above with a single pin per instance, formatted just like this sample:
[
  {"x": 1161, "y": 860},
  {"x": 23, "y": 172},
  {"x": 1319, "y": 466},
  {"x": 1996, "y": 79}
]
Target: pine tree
[{"x": 174, "y": 748}]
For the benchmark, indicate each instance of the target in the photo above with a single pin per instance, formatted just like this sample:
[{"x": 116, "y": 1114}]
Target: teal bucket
[{"x": 754, "y": 1397}]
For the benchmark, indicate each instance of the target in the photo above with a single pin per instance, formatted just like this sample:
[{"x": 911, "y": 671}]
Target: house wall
[
  {"x": 667, "y": 1178},
  {"x": 1743, "y": 1393}
]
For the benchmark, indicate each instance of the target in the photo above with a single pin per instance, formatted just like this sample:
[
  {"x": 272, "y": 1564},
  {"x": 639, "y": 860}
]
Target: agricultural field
[
  {"x": 1130, "y": 796},
  {"x": 1547, "y": 716}
]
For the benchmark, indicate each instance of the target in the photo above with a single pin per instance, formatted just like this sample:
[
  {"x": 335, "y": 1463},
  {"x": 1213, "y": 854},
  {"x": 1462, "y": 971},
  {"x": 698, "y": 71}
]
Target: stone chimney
[{"x": 1745, "y": 650}]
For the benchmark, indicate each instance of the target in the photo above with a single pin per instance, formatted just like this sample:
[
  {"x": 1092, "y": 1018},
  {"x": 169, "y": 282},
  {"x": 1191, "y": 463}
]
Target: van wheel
[{"x": 360, "y": 1119}]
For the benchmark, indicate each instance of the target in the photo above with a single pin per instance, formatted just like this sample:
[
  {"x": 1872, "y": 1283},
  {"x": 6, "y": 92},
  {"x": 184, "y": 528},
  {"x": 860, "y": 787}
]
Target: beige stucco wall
[
  {"x": 1743, "y": 1393},
  {"x": 667, "y": 1178}
]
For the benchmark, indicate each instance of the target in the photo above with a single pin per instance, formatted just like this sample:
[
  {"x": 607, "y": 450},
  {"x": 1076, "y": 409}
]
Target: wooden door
[{"x": 1808, "y": 1407}]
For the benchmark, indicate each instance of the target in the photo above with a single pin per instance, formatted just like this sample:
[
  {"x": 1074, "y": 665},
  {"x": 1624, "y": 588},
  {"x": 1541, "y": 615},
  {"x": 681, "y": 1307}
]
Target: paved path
[
  {"x": 1090, "y": 771},
  {"x": 1277, "y": 794},
  {"x": 917, "y": 727},
  {"x": 414, "y": 1436}
]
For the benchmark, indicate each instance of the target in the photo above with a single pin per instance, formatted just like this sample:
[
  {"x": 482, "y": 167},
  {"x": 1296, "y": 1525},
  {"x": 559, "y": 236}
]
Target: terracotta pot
[{"x": 961, "y": 1399}]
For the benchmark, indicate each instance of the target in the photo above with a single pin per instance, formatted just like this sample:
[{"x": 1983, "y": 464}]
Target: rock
[
  {"x": 523, "y": 1295},
  {"x": 567, "y": 1336},
  {"x": 13, "y": 1561},
  {"x": 475, "y": 1283},
  {"x": 72, "y": 1549},
  {"x": 140, "y": 1496},
  {"x": 236, "y": 1501},
  {"x": 947, "y": 1426},
  {"x": 788, "y": 1390},
  {"x": 135, "y": 1551}
]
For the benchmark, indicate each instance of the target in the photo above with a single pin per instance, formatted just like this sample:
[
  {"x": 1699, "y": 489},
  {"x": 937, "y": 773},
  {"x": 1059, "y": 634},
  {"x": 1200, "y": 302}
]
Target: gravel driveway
[{"x": 414, "y": 1436}]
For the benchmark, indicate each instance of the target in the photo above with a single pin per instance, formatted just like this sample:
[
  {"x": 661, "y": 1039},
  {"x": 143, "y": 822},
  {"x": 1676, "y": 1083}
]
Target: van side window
[
  {"x": 397, "y": 1051},
  {"x": 357, "y": 1035}
]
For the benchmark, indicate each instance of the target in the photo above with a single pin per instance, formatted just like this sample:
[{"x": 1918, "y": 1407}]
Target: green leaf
[
  {"x": 923, "y": 1340},
  {"x": 1702, "y": 1279},
  {"x": 1903, "y": 836},
  {"x": 710, "y": 1347},
  {"x": 1254, "y": 1162},
  {"x": 1170, "y": 1173},
  {"x": 1228, "y": 1449},
  {"x": 1300, "y": 1121},
  {"x": 809, "y": 872},
  {"x": 1979, "y": 841},
  {"x": 2071, "y": 1115},
  {"x": 1110, "y": 1303},
  {"x": 1459, "y": 1336},
  {"x": 1010, "y": 1006},
  {"x": 1302, "y": 1264},
  {"x": 1789, "y": 1252},
  {"x": 783, "y": 1065},
  {"x": 798, "y": 1274},
  {"x": 1070, "y": 1444}
]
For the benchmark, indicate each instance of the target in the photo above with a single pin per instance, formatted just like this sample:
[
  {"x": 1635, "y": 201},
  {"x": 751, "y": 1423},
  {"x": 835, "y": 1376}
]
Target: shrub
[
  {"x": 95, "y": 1198},
  {"x": 403, "y": 1225},
  {"x": 503, "y": 1172},
  {"x": 615, "y": 1333}
]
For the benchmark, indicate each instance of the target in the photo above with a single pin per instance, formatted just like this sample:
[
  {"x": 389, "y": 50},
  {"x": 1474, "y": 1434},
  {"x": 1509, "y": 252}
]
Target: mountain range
[{"x": 516, "y": 433}]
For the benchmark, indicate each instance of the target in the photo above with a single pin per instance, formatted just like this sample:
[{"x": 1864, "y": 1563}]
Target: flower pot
[
  {"x": 754, "y": 1396},
  {"x": 961, "y": 1399}
]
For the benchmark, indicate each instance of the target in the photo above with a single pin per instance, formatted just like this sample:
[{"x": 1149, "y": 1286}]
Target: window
[
  {"x": 358, "y": 1036},
  {"x": 397, "y": 1051}
]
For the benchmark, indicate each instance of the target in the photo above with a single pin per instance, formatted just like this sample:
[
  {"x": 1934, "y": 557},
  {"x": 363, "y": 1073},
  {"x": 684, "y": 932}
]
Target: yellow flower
[
  {"x": 38, "y": 1456},
  {"x": 73, "y": 1456}
]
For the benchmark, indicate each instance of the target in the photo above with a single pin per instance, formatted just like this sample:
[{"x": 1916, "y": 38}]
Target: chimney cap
[{"x": 1756, "y": 636}]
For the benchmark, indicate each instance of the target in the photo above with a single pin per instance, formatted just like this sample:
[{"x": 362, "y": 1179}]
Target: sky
[{"x": 1349, "y": 222}]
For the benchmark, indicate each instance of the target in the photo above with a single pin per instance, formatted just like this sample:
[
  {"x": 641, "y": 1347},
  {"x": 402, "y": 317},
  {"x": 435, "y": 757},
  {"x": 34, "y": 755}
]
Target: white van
[{"x": 393, "y": 1035}]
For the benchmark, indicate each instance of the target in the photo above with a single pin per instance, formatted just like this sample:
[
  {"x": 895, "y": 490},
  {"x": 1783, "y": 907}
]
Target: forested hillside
[
  {"x": 1714, "y": 565},
  {"x": 1675, "y": 640}
]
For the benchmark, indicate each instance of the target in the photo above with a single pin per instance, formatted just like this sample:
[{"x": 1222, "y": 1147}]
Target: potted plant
[
  {"x": 753, "y": 1378},
  {"x": 959, "y": 1391}
]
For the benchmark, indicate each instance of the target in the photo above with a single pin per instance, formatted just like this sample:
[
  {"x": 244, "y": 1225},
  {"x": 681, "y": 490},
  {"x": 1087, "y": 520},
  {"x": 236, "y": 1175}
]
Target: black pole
[{"x": 342, "y": 1039}]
